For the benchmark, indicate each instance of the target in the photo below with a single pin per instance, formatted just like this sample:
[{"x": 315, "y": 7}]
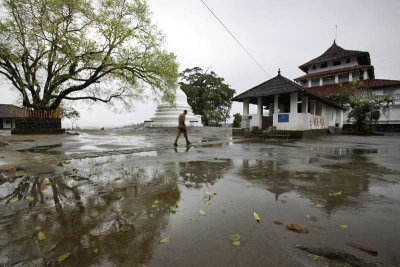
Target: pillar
[
  {"x": 313, "y": 106},
  {"x": 320, "y": 81},
  {"x": 309, "y": 82},
  {"x": 365, "y": 75},
  {"x": 276, "y": 104},
  {"x": 293, "y": 102},
  {"x": 350, "y": 76},
  {"x": 271, "y": 109},
  {"x": 245, "y": 120},
  {"x": 304, "y": 104},
  {"x": 336, "y": 78},
  {"x": 259, "y": 112}
]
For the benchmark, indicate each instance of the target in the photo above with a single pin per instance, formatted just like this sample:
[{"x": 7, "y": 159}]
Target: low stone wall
[{"x": 37, "y": 126}]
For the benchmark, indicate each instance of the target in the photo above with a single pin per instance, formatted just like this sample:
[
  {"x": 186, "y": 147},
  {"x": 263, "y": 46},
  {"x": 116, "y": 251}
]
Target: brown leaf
[
  {"x": 278, "y": 222},
  {"x": 362, "y": 247},
  {"x": 296, "y": 228}
]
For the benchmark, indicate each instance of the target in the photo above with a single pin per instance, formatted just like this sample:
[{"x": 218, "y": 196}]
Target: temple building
[
  {"x": 289, "y": 107},
  {"x": 337, "y": 68}
]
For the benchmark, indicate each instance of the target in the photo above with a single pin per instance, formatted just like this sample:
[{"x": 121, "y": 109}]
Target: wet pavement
[{"x": 108, "y": 198}]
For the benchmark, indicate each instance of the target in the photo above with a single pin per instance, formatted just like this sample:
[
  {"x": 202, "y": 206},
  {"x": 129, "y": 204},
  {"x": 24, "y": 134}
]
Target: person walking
[{"x": 182, "y": 129}]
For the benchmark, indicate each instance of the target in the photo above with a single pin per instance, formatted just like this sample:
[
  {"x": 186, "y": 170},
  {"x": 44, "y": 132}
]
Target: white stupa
[{"x": 167, "y": 115}]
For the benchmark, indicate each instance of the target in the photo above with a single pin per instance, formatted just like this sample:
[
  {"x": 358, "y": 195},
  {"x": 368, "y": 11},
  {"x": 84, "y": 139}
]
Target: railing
[{"x": 29, "y": 113}]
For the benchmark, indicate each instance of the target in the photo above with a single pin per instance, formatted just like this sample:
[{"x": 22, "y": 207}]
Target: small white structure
[
  {"x": 167, "y": 114},
  {"x": 291, "y": 107},
  {"x": 7, "y": 116}
]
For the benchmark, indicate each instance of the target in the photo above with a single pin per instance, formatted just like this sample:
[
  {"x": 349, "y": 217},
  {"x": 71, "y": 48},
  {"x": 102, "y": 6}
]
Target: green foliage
[
  {"x": 208, "y": 95},
  {"x": 95, "y": 50},
  {"x": 237, "y": 119},
  {"x": 365, "y": 107}
]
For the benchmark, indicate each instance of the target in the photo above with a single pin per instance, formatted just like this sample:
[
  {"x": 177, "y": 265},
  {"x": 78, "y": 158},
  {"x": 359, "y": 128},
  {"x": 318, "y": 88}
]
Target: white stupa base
[{"x": 167, "y": 115}]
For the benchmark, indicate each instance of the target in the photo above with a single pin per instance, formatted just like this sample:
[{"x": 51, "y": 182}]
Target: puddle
[{"x": 123, "y": 205}]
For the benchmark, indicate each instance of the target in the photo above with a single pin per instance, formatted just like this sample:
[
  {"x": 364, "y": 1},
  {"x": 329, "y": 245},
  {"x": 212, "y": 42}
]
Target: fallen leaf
[
  {"x": 63, "y": 257},
  {"x": 320, "y": 205},
  {"x": 122, "y": 198},
  {"x": 46, "y": 183},
  {"x": 278, "y": 222},
  {"x": 95, "y": 250},
  {"x": 48, "y": 248},
  {"x": 19, "y": 173},
  {"x": 174, "y": 210},
  {"x": 41, "y": 236},
  {"x": 194, "y": 219},
  {"x": 1, "y": 227},
  {"x": 155, "y": 204},
  {"x": 116, "y": 179},
  {"x": 362, "y": 247},
  {"x": 256, "y": 216},
  {"x": 234, "y": 237},
  {"x": 308, "y": 216},
  {"x": 202, "y": 212},
  {"x": 379, "y": 195},
  {"x": 236, "y": 243},
  {"x": 37, "y": 228},
  {"x": 125, "y": 228},
  {"x": 249, "y": 186},
  {"x": 31, "y": 198},
  {"x": 344, "y": 226},
  {"x": 43, "y": 161},
  {"x": 164, "y": 240},
  {"x": 14, "y": 200},
  {"x": 336, "y": 194},
  {"x": 297, "y": 228},
  {"x": 67, "y": 162}
]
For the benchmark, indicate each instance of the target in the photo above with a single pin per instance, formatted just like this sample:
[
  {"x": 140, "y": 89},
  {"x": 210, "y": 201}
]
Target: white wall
[
  {"x": 8, "y": 123},
  {"x": 300, "y": 122}
]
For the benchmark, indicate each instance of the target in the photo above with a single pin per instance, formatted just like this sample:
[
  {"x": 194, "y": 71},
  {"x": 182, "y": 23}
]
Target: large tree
[
  {"x": 100, "y": 50},
  {"x": 208, "y": 95}
]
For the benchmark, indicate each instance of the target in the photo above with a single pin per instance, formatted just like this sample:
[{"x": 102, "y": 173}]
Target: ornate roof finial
[{"x": 279, "y": 71}]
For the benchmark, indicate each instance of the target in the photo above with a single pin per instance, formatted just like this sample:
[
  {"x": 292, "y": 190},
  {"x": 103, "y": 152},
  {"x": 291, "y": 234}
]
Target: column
[
  {"x": 365, "y": 75},
  {"x": 245, "y": 113},
  {"x": 271, "y": 109},
  {"x": 276, "y": 104},
  {"x": 259, "y": 112},
  {"x": 313, "y": 106},
  {"x": 293, "y": 102},
  {"x": 350, "y": 76},
  {"x": 304, "y": 104},
  {"x": 320, "y": 81},
  {"x": 336, "y": 78},
  {"x": 309, "y": 83}
]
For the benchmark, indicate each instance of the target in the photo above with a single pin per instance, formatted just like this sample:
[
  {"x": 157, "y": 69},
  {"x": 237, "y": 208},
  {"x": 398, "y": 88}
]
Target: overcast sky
[{"x": 279, "y": 34}]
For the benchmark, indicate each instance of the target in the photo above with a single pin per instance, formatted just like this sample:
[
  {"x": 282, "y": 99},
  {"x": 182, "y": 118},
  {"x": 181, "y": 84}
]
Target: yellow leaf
[
  {"x": 122, "y": 198},
  {"x": 174, "y": 210},
  {"x": 67, "y": 162},
  {"x": 49, "y": 248},
  {"x": 308, "y": 216},
  {"x": 125, "y": 228},
  {"x": 14, "y": 200},
  {"x": 63, "y": 257},
  {"x": 202, "y": 212},
  {"x": 19, "y": 173},
  {"x": 155, "y": 204},
  {"x": 234, "y": 237},
  {"x": 37, "y": 228},
  {"x": 31, "y": 198},
  {"x": 249, "y": 186},
  {"x": 336, "y": 194},
  {"x": 208, "y": 193},
  {"x": 46, "y": 183},
  {"x": 95, "y": 250},
  {"x": 344, "y": 226},
  {"x": 164, "y": 240},
  {"x": 116, "y": 179},
  {"x": 236, "y": 243},
  {"x": 320, "y": 206},
  {"x": 256, "y": 216},
  {"x": 41, "y": 236},
  {"x": 194, "y": 219}
]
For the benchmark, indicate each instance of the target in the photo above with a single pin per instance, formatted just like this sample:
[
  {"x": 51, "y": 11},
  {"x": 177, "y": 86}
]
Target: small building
[
  {"x": 288, "y": 106},
  {"x": 8, "y": 114},
  {"x": 336, "y": 69}
]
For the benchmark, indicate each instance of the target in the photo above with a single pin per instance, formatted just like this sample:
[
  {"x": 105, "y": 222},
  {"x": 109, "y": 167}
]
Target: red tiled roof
[
  {"x": 336, "y": 71},
  {"x": 327, "y": 90}
]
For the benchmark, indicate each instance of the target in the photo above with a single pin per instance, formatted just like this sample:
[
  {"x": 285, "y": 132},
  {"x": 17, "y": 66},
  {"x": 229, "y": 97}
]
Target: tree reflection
[{"x": 79, "y": 214}]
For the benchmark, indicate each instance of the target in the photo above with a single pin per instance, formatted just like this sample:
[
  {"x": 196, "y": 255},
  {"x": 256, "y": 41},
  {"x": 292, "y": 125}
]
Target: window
[
  {"x": 328, "y": 80},
  {"x": 337, "y": 62},
  {"x": 348, "y": 60},
  {"x": 343, "y": 78},
  {"x": 315, "y": 82},
  {"x": 324, "y": 65},
  {"x": 8, "y": 121},
  {"x": 314, "y": 67}
]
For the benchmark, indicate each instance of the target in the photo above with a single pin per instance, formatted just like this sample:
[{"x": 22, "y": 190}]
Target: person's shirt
[{"x": 182, "y": 119}]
